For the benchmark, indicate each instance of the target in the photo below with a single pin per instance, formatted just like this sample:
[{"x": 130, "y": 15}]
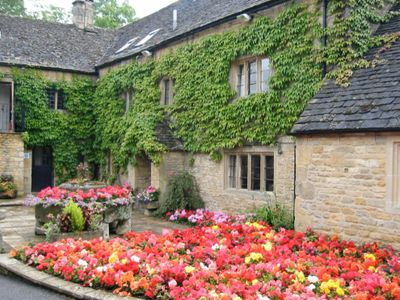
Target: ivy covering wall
[
  {"x": 203, "y": 115},
  {"x": 70, "y": 133}
]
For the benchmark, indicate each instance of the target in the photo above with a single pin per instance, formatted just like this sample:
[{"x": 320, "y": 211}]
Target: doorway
[{"x": 42, "y": 168}]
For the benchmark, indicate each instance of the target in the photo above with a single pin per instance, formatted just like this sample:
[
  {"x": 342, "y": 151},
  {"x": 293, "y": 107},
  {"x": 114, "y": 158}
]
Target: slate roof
[
  {"x": 165, "y": 136},
  {"x": 192, "y": 15},
  {"x": 370, "y": 103},
  {"x": 37, "y": 43}
]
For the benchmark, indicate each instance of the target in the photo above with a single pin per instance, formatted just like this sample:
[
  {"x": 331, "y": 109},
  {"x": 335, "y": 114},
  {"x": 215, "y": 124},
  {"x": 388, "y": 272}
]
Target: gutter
[
  {"x": 56, "y": 69},
  {"x": 232, "y": 17},
  {"x": 330, "y": 131}
]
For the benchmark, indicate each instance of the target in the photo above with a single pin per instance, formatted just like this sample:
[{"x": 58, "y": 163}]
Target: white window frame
[
  {"x": 163, "y": 83},
  {"x": 245, "y": 62},
  {"x": 249, "y": 154}
]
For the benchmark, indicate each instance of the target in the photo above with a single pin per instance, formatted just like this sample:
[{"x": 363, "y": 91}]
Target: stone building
[
  {"x": 244, "y": 179},
  {"x": 348, "y": 153},
  {"x": 60, "y": 51}
]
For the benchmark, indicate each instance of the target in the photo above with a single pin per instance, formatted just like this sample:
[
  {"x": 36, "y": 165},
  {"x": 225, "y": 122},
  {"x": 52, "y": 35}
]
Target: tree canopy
[{"x": 108, "y": 13}]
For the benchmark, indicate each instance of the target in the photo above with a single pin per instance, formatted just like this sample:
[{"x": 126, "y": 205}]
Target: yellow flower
[
  {"x": 339, "y": 291},
  {"x": 189, "y": 269},
  {"x": 255, "y": 225},
  {"x": 253, "y": 257},
  {"x": 269, "y": 235},
  {"x": 124, "y": 261},
  {"x": 215, "y": 227},
  {"x": 331, "y": 285},
  {"x": 369, "y": 256},
  {"x": 237, "y": 298},
  {"x": 254, "y": 282},
  {"x": 113, "y": 258},
  {"x": 267, "y": 246},
  {"x": 300, "y": 276},
  {"x": 150, "y": 270},
  {"x": 371, "y": 268}
]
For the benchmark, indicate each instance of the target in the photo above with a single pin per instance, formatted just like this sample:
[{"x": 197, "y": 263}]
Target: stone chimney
[{"x": 83, "y": 14}]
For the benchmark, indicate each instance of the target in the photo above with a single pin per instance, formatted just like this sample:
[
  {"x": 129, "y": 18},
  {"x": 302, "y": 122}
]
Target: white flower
[
  {"x": 215, "y": 247},
  {"x": 82, "y": 263},
  {"x": 261, "y": 297},
  {"x": 311, "y": 287},
  {"x": 135, "y": 258},
  {"x": 312, "y": 278}
]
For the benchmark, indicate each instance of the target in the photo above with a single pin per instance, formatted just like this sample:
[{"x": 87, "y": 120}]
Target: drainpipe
[
  {"x": 324, "y": 26},
  {"x": 294, "y": 183}
]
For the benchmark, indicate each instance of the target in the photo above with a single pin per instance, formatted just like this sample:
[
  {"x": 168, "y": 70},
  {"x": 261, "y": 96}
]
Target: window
[
  {"x": 251, "y": 76},
  {"x": 250, "y": 171},
  {"x": 167, "y": 92},
  {"x": 128, "y": 97},
  {"x": 56, "y": 99}
]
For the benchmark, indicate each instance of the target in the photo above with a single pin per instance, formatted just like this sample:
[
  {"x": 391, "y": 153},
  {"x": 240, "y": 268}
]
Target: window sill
[{"x": 259, "y": 195}]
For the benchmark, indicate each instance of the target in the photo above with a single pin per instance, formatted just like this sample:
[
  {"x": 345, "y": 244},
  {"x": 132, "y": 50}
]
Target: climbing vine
[
  {"x": 203, "y": 113},
  {"x": 350, "y": 36},
  {"x": 206, "y": 114},
  {"x": 69, "y": 133}
]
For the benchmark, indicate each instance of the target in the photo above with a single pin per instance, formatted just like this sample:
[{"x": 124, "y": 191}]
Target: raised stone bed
[
  {"x": 83, "y": 186},
  {"x": 151, "y": 208},
  {"x": 86, "y": 235},
  {"x": 42, "y": 216},
  {"x": 118, "y": 219}
]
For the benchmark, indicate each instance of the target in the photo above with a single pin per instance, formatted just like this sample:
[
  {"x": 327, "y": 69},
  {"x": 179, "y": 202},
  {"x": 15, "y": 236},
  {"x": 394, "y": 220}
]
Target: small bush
[
  {"x": 276, "y": 215},
  {"x": 75, "y": 213},
  {"x": 182, "y": 193}
]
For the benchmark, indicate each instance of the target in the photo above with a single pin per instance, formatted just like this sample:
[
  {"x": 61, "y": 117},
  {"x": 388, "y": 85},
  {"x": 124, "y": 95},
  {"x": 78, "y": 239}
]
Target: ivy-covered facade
[{"x": 210, "y": 87}]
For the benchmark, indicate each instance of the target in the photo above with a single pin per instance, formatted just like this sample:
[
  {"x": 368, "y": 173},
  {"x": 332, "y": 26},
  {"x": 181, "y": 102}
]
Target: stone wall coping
[{"x": 77, "y": 291}]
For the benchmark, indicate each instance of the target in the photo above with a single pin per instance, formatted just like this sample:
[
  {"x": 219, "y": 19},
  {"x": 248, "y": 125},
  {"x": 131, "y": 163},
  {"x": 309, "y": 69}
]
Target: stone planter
[
  {"x": 151, "y": 208},
  {"x": 84, "y": 186},
  {"x": 8, "y": 194},
  {"x": 118, "y": 219},
  {"x": 86, "y": 235},
  {"x": 41, "y": 215}
]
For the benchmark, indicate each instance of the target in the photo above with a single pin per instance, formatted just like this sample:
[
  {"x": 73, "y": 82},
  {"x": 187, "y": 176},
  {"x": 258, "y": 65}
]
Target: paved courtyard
[{"x": 18, "y": 225}]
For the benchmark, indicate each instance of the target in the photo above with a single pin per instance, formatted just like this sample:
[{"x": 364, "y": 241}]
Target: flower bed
[
  {"x": 231, "y": 260},
  {"x": 111, "y": 205}
]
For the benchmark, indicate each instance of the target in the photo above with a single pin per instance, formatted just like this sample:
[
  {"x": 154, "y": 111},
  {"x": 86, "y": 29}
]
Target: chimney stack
[{"x": 83, "y": 14}]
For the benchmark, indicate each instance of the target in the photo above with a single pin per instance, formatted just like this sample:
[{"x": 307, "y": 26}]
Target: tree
[
  {"x": 12, "y": 7},
  {"x": 109, "y": 14},
  {"x": 52, "y": 13}
]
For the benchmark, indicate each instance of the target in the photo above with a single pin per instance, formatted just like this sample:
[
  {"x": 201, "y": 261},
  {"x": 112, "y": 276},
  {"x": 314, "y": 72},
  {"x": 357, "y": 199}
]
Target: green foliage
[
  {"x": 75, "y": 212},
  {"x": 276, "y": 215},
  {"x": 111, "y": 14},
  {"x": 351, "y": 37},
  {"x": 51, "y": 13},
  {"x": 12, "y": 7},
  {"x": 69, "y": 133},
  {"x": 203, "y": 113},
  {"x": 182, "y": 193}
]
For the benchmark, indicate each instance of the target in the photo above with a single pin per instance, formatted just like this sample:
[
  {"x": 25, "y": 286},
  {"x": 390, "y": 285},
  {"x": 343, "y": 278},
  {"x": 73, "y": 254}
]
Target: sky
[{"x": 142, "y": 8}]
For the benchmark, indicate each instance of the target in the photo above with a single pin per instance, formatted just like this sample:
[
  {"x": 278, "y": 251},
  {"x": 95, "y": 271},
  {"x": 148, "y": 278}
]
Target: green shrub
[
  {"x": 76, "y": 214},
  {"x": 182, "y": 193},
  {"x": 276, "y": 215}
]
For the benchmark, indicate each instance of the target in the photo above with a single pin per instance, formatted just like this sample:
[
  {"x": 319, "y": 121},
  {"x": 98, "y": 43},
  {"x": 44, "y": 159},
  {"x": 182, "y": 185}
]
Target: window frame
[
  {"x": 245, "y": 62},
  {"x": 128, "y": 98},
  {"x": 238, "y": 171},
  {"x": 164, "y": 82},
  {"x": 56, "y": 102}
]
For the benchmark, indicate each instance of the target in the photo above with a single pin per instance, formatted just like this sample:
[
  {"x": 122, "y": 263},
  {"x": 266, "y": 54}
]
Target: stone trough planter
[
  {"x": 86, "y": 235},
  {"x": 118, "y": 219},
  {"x": 41, "y": 216},
  {"x": 9, "y": 194}
]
